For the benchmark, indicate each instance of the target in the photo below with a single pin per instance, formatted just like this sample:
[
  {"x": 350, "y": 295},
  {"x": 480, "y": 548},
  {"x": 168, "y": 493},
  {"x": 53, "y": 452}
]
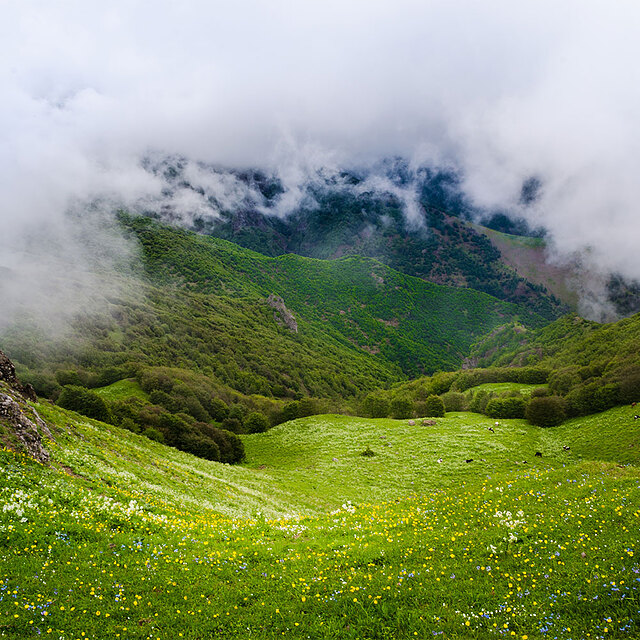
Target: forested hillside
[{"x": 207, "y": 307}]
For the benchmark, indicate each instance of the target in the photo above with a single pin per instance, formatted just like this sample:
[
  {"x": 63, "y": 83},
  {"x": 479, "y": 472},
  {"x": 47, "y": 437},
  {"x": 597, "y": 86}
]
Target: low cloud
[{"x": 501, "y": 91}]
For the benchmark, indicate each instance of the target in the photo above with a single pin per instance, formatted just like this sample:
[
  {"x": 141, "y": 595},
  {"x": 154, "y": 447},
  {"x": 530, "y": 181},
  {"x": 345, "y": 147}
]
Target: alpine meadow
[{"x": 319, "y": 320}]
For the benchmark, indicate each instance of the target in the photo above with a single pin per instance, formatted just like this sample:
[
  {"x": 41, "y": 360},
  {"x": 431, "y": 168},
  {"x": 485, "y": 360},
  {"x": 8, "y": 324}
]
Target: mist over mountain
[{"x": 531, "y": 105}]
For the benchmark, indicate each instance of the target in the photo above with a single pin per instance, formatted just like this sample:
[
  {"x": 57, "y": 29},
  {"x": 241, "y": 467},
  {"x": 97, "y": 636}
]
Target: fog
[{"x": 501, "y": 91}]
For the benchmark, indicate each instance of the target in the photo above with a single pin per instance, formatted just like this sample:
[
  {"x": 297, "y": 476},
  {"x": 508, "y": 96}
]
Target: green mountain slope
[
  {"x": 205, "y": 305},
  {"x": 356, "y": 300},
  {"x": 447, "y": 251}
]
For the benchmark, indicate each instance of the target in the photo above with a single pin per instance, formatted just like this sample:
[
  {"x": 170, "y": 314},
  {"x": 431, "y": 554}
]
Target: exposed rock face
[
  {"x": 8, "y": 375},
  {"x": 22, "y": 426},
  {"x": 281, "y": 314}
]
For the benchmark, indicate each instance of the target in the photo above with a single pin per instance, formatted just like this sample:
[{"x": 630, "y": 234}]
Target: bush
[
  {"x": 218, "y": 409},
  {"x": 479, "y": 401},
  {"x": 232, "y": 424},
  {"x": 66, "y": 377},
  {"x": 86, "y": 402},
  {"x": 238, "y": 411},
  {"x": 163, "y": 399},
  {"x": 256, "y": 422},
  {"x": 563, "y": 380},
  {"x": 290, "y": 411},
  {"x": 506, "y": 407},
  {"x": 592, "y": 398},
  {"x": 454, "y": 401},
  {"x": 375, "y": 406},
  {"x": 547, "y": 411},
  {"x": 307, "y": 407},
  {"x": 629, "y": 385},
  {"x": 434, "y": 407},
  {"x": 152, "y": 380},
  {"x": 153, "y": 434},
  {"x": 401, "y": 408},
  {"x": 201, "y": 446},
  {"x": 541, "y": 392}
]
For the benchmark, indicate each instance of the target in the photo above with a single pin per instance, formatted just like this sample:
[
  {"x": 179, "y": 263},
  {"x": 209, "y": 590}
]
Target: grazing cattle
[
  {"x": 491, "y": 429},
  {"x": 564, "y": 446},
  {"x": 469, "y": 460},
  {"x": 636, "y": 417},
  {"x": 538, "y": 454},
  {"x": 439, "y": 459}
]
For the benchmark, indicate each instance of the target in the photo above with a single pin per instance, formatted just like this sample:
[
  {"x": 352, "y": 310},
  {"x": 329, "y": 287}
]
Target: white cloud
[{"x": 504, "y": 90}]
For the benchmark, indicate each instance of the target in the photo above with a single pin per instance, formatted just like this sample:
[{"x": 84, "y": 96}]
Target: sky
[{"x": 500, "y": 90}]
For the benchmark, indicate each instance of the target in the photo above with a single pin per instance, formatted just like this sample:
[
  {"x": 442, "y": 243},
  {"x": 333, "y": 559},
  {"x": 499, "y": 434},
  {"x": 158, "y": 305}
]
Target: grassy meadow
[{"x": 121, "y": 537}]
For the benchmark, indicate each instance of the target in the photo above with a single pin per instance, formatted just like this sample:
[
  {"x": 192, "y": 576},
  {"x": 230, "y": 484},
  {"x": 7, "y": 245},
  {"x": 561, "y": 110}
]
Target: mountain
[
  {"x": 416, "y": 221},
  {"x": 211, "y": 307}
]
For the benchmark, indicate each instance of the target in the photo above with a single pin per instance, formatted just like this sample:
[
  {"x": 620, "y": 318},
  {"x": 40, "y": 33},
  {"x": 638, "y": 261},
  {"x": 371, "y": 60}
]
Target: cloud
[{"x": 501, "y": 90}]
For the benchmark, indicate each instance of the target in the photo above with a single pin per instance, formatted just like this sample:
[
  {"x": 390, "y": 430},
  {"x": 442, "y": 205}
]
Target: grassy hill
[{"x": 123, "y": 537}]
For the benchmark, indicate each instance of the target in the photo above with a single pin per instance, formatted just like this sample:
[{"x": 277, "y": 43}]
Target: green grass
[
  {"x": 122, "y": 390},
  {"x": 503, "y": 387},
  {"x": 125, "y": 538}
]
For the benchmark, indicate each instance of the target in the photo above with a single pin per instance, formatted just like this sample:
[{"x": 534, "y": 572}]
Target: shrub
[
  {"x": 201, "y": 446},
  {"x": 218, "y": 409},
  {"x": 368, "y": 452},
  {"x": 629, "y": 385},
  {"x": 256, "y": 422},
  {"x": 479, "y": 401},
  {"x": 434, "y": 407},
  {"x": 236, "y": 447},
  {"x": 541, "y": 392},
  {"x": 86, "y": 402},
  {"x": 401, "y": 408},
  {"x": 513, "y": 407},
  {"x": 290, "y": 411},
  {"x": 153, "y": 434},
  {"x": 163, "y": 399},
  {"x": 152, "y": 380},
  {"x": 238, "y": 411},
  {"x": 454, "y": 401},
  {"x": 306, "y": 407},
  {"x": 232, "y": 424},
  {"x": 66, "y": 377},
  {"x": 592, "y": 398},
  {"x": 547, "y": 411},
  {"x": 375, "y": 406},
  {"x": 563, "y": 380}
]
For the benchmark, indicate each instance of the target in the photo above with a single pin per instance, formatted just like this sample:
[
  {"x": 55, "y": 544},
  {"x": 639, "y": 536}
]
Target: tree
[
  {"x": 375, "y": 406},
  {"x": 434, "y": 407},
  {"x": 454, "y": 401},
  {"x": 86, "y": 402},
  {"x": 506, "y": 407},
  {"x": 546, "y": 411},
  {"x": 256, "y": 422},
  {"x": 401, "y": 408}
]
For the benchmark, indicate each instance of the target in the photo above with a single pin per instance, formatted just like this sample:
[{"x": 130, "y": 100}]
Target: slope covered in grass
[{"x": 122, "y": 537}]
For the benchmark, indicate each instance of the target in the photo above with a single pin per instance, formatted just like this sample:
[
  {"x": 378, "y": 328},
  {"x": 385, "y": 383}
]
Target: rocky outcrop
[
  {"x": 21, "y": 427},
  {"x": 8, "y": 375},
  {"x": 281, "y": 314}
]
